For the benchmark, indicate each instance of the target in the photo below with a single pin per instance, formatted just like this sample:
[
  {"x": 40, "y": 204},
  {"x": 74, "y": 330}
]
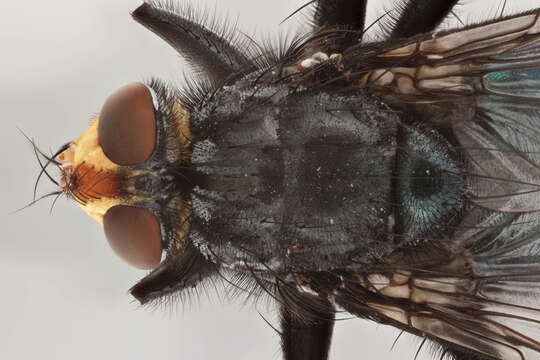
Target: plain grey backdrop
[{"x": 63, "y": 292}]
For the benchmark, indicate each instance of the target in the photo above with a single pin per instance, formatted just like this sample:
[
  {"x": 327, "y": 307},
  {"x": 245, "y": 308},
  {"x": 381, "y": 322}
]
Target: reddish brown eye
[
  {"x": 127, "y": 127},
  {"x": 134, "y": 235}
]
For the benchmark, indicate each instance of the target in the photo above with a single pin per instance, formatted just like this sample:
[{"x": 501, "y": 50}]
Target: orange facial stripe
[{"x": 87, "y": 183}]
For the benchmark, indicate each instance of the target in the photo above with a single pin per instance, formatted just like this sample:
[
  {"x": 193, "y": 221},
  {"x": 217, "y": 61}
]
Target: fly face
[
  {"x": 396, "y": 180},
  {"x": 121, "y": 171}
]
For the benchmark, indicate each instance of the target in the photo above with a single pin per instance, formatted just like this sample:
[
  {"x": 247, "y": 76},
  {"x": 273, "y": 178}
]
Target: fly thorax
[{"x": 301, "y": 181}]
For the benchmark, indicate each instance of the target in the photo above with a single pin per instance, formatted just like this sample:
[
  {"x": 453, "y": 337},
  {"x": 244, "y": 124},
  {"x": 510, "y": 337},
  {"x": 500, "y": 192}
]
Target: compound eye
[
  {"x": 127, "y": 125},
  {"x": 134, "y": 235}
]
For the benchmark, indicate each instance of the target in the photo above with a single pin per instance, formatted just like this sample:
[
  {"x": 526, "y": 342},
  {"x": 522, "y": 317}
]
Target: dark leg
[
  {"x": 342, "y": 13},
  {"x": 306, "y": 339},
  {"x": 173, "y": 276},
  {"x": 420, "y": 16},
  {"x": 213, "y": 55},
  {"x": 347, "y": 15}
]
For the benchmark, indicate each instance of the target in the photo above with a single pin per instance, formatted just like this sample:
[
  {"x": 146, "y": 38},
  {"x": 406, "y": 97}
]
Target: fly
[{"x": 396, "y": 180}]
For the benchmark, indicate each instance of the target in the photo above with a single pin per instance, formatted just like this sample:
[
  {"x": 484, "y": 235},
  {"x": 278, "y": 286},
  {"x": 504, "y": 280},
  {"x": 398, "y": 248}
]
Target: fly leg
[
  {"x": 307, "y": 338},
  {"x": 212, "y": 54},
  {"x": 420, "y": 16},
  {"x": 346, "y": 16},
  {"x": 174, "y": 274}
]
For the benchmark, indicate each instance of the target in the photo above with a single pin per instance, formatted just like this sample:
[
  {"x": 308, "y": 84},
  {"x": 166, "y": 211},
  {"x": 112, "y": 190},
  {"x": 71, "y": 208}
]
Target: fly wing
[
  {"x": 479, "y": 290},
  {"x": 478, "y": 287},
  {"x": 493, "y": 315},
  {"x": 483, "y": 83}
]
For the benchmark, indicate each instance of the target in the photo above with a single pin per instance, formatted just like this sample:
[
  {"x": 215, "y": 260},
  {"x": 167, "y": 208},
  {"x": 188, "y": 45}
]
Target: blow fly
[{"x": 396, "y": 180}]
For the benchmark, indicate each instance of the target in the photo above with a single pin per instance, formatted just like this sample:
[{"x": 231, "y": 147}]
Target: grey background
[{"x": 63, "y": 291}]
